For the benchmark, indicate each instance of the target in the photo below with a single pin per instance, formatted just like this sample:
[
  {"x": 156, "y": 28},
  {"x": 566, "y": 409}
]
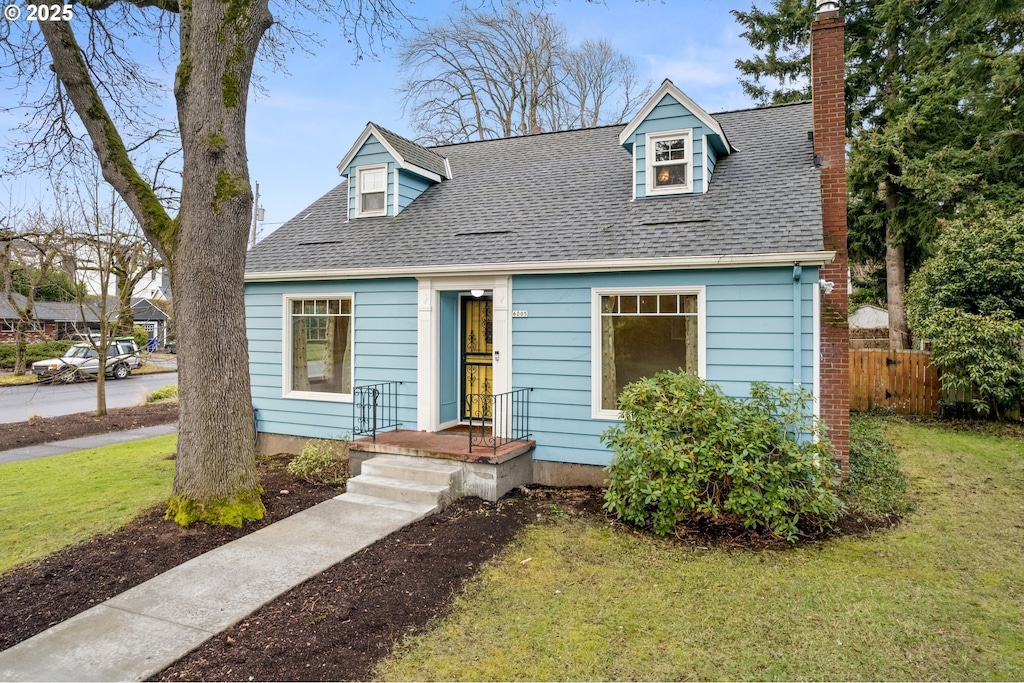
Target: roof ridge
[
  {"x": 762, "y": 108},
  {"x": 388, "y": 131},
  {"x": 530, "y": 135}
]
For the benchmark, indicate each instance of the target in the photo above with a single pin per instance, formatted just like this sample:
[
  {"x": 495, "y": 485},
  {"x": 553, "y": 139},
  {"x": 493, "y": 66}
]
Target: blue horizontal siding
[
  {"x": 668, "y": 115},
  {"x": 410, "y": 186},
  {"x": 749, "y": 337},
  {"x": 372, "y": 153},
  {"x": 384, "y": 349}
]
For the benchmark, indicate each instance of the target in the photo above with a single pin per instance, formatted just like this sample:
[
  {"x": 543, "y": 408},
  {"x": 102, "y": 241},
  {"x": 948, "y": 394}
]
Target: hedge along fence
[
  {"x": 34, "y": 352},
  {"x": 906, "y": 383}
]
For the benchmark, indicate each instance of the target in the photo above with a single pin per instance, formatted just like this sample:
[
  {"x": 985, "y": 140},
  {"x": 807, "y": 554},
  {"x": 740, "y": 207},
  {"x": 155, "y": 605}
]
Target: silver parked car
[{"x": 82, "y": 361}]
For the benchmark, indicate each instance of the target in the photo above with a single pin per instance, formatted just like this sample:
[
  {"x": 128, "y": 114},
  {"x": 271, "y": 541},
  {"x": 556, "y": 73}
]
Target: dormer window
[
  {"x": 371, "y": 182},
  {"x": 670, "y": 162}
]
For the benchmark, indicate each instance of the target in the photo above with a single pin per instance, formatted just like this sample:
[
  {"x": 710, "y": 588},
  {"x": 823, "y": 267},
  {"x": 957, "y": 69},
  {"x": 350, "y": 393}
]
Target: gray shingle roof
[
  {"x": 413, "y": 153},
  {"x": 567, "y": 196}
]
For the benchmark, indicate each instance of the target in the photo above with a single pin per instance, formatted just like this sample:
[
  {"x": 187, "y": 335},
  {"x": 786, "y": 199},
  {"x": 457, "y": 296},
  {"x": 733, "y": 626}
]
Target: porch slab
[{"x": 447, "y": 446}]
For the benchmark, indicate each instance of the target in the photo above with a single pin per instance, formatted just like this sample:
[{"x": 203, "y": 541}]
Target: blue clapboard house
[{"x": 486, "y": 302}]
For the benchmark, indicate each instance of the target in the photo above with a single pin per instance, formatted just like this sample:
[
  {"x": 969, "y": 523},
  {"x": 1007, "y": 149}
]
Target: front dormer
[
  {"x": 675, "y": 145},
  {"x": 386, "y": 172}
]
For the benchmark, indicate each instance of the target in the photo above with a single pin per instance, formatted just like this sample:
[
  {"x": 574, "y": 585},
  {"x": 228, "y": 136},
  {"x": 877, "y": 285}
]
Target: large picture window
[
  {"x": 638, "y": 334},
  {"x": 320, "y": 345}
]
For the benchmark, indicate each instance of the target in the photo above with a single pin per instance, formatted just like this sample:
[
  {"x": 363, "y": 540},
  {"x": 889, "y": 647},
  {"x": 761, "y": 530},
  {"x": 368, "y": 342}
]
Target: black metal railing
[
  {"x": 375, "y": 408},
  {"x": 498, "y": 419}
]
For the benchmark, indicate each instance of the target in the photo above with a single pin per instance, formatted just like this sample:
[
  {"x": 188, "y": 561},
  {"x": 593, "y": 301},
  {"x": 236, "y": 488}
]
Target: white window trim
[
  {"x": 286, "y": 348},
  {"x": 428, "y": 372},
  {"x": 596, "y": 411},
  {"x": 650, "y": 139},
  {"x": 360, "y": 170}
]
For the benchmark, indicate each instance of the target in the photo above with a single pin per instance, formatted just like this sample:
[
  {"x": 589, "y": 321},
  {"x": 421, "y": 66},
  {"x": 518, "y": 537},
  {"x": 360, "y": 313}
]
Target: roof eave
[
  {"x": 767, "y": 260},
  {"x": 670, "y": 88}
]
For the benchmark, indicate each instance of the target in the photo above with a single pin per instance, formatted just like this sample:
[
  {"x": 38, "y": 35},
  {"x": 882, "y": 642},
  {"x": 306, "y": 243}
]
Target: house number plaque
[{"x": 520, "y": 314}]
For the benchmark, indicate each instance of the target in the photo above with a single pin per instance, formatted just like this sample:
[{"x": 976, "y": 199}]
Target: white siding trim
[
  {"x": 705, "y": 172},
  {"x": 395, "y": 204},
  {"x": 670, "y": 88},
  {"x": 596, "y": 411},
  {"x": 286, "y": 348},
  {"x": 428, "y": 384},
  {"x": 807, "y": 258},
  {"x": 361, "y": 140},
  {"x": 816, "y": 344},
  {"x": 633, "y": 184}
]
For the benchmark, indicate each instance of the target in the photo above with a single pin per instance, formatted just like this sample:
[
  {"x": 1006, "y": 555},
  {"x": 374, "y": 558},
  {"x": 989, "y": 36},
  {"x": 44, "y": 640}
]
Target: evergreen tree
[{"x": 933, "y": 115}]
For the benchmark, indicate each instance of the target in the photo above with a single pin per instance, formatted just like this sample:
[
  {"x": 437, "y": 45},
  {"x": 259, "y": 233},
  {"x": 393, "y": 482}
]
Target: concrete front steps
[{"x": 408, "y": 480}]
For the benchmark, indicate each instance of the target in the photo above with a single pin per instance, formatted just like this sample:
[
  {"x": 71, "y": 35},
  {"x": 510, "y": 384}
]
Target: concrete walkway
[
  {"x": 95, "y": 441},
  {"x": 133, "y": 636}
]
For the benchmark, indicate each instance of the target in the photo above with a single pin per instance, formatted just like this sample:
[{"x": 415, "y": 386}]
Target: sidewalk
[
  {"x": 105, "y": 439},
  {"x": 136, "y": 634}
]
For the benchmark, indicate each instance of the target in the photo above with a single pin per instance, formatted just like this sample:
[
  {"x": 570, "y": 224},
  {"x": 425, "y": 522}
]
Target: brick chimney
[{"x": 827, "y": 64}]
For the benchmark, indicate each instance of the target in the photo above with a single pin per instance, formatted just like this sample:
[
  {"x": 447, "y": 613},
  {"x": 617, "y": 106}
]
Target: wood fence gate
[{"x": 901, "y": 381}]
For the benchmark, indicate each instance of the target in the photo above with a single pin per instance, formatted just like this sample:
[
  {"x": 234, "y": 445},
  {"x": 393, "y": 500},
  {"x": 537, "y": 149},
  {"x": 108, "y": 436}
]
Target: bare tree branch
[{"x": 489, "y": 75}]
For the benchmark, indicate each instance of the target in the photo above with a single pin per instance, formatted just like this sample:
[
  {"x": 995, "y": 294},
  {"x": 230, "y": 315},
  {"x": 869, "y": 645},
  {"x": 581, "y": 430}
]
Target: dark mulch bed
[
  {"x": 45, "y": 593},
  {"x": 335, "y": 626},
  {"x": 46, "y": 429}
]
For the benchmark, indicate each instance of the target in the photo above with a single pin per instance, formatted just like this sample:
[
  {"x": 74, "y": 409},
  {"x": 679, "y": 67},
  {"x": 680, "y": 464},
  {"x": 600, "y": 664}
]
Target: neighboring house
[
  {"x": 85, "y": 268},
  {"x": 869, "y": 318},
  {"x": 53, "y": 319},
  {"x": 567, "y": 264},
  {"x": 68, "y": 320},
  {"x": 869, "y": 328},
  {"x": 41, "y": 329},
  {"x": 148, "y": 316}
]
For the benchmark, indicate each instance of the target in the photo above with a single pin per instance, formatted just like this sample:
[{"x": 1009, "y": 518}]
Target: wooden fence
[{"x": 900, "y": 381}]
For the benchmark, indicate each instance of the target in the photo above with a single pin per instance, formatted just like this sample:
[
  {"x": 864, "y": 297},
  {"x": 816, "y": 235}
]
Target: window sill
[{"x": 317, "y": 396}]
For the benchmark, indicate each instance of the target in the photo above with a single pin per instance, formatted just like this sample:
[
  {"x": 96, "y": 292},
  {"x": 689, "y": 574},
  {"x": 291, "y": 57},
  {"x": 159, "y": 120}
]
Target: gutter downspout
[{"x": 797, "y": 325}]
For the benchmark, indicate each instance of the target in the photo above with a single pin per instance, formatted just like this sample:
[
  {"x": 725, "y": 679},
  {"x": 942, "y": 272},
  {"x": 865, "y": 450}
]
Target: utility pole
[{"x": 255, "y": 215}]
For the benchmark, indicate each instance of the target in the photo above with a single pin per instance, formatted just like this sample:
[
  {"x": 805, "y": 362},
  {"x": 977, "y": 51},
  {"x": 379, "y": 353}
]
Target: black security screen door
[{"x": 476, "y": 351}]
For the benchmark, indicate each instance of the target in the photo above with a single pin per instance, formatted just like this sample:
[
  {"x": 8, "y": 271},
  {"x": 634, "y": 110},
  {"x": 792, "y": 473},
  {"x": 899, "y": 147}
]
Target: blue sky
[{"x": 300, "y": 128}]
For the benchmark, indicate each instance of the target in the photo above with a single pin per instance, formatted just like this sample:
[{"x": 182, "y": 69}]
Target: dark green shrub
[
  {"x": 141, "y": 337},
  {"x": 876, "y": 487},
  {"x": 34, "y": 352},
  {"x": 686, "y": 451}
]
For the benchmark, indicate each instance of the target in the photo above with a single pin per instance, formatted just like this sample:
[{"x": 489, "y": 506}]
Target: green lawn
[
  {"x": 940, "y": 597},
  {"x": 50, "y": 503}
]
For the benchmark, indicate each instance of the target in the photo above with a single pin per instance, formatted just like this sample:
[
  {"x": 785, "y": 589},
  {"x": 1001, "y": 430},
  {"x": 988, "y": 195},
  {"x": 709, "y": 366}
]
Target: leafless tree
[
  {"x": 109, "y": 254},
  {"x": 601, "y": 86},
  {"x": 481, "y": 75},
  {"x": 85, "y": 92},
  {"x": 30, "y": 249},
  {"x": 486, "y": 75}
]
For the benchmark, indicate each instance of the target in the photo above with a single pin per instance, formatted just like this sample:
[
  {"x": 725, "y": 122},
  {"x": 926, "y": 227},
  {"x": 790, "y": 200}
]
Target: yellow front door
[{"x": 477, "y": 357}]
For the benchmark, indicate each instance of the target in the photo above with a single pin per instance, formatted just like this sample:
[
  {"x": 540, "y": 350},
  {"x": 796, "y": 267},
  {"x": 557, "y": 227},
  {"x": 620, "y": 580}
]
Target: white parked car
[{"x": 82, "y": 361}]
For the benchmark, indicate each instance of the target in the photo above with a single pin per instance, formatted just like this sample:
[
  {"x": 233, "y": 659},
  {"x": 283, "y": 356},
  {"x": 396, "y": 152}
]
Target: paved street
[{"x": 18, "y": 404}]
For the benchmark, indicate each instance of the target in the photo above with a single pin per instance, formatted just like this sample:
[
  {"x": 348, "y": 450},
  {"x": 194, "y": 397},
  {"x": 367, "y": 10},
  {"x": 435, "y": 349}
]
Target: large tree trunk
[
  {"x": 204, "y": 248},
  {"x": 895, "y": 276},
  {"x": 216, "y": 468}
]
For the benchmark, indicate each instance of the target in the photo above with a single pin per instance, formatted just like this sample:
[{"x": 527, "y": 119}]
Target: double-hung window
[
  {"x": 371, "y": 190},
  {"x": 670, "y": 162},
  {"x": 318, "y": 347},
  {"x": 639, "y": 332}
]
